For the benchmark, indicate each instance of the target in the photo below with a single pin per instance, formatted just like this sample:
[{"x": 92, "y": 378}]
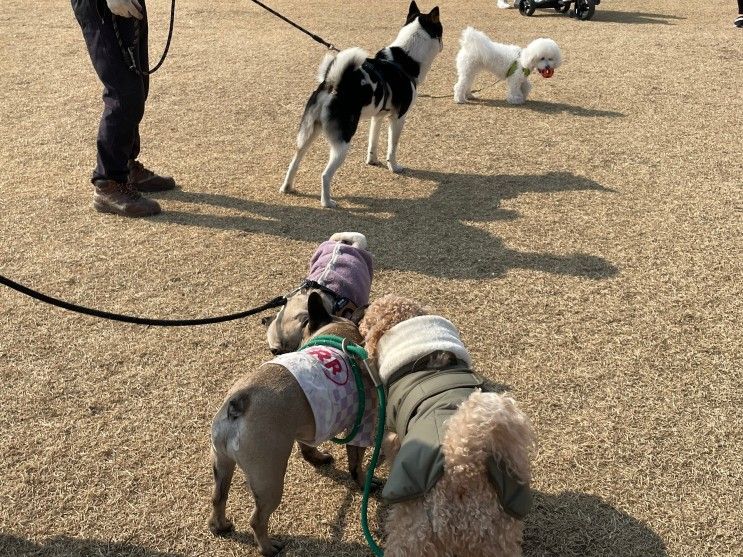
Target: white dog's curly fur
[
  {"x": 479, "y": 53},
  {"x": 462, "y": 514}
]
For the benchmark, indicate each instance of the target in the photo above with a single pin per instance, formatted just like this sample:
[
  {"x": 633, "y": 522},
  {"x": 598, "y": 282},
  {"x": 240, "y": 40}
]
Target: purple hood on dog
[{"x": 344, "y": 269}]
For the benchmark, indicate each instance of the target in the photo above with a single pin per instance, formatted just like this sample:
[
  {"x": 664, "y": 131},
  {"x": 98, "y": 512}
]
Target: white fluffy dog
[{"x": 507, "y": 61}]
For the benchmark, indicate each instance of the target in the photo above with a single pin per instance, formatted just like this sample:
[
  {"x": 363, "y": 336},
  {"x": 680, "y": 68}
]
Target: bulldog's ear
[
  {"x": 413, "y": 9},
  {"x": 434, "y": 15},
  {"x": 318, "y": 315},
  {"x": 266, "y": 321}
]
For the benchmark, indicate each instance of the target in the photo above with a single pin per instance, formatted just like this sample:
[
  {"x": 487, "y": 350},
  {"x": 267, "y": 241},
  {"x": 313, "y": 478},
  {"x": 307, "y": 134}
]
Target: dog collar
[{"x": 512, "y": 69}]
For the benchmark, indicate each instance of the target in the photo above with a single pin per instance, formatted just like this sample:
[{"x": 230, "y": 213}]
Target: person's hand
[{"x": 125, "y": 8}]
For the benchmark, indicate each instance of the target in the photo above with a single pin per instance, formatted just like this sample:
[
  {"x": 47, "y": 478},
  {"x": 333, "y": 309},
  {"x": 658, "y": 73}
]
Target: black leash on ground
[
  {"x": 131, "y": 53},
  {"x": 276, "y": 302}
]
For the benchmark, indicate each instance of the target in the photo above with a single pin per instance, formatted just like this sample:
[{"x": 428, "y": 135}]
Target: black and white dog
[{"x": 354, "y": 86}]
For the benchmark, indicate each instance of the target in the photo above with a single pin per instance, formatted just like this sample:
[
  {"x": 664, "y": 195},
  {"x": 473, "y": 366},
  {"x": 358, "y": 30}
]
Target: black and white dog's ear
[
  {"x": 318, "y": 315},
  {"x": 434, "y": 15},
  {"x": 413, "y": 10}
]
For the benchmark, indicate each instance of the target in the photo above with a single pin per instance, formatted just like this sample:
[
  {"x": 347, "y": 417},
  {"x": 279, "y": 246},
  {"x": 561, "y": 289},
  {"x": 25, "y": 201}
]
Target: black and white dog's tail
[
  {"x": 333, "y": 68},
  {"x": 330, "y": 76}
]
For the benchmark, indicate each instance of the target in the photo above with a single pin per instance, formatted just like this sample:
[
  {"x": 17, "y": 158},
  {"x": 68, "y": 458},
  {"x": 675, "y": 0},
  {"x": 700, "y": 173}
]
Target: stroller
[{"x": 583, "y": 9}]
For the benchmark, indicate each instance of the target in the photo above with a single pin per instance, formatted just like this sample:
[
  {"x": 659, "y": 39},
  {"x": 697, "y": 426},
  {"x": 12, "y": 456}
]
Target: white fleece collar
[{"x": 414, "y": 338}]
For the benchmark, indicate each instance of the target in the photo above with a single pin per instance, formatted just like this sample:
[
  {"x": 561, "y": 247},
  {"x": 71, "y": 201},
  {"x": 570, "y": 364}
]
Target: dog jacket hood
[
  {"x": 345, "y": 270},
  {"x": 414, "y": 338},
  {"x": 324, "y": 374}
]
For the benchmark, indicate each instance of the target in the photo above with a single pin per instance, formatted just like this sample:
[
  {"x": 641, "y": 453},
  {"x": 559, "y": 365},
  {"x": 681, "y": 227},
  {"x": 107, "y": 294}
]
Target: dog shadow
[
  {"x": 65, "y": 546},
  {"x": 425, "y": 235},
  {"x": 569, "y": 524},
  {"x": 550, "y": 108},
  {"x": 574, "y": 524}
]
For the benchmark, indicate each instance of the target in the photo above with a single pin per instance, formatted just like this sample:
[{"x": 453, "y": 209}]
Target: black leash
[
  {"x": 276, "y": 302},
  {"x": 314, "y": 37},
  {"x": 131, "y": 53}
]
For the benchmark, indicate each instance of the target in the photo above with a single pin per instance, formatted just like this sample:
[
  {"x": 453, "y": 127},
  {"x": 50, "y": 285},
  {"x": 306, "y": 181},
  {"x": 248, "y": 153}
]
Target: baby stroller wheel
[
  {"x": 526, "y": 7},
  {"x": 562, "y": 8},
  {"x": 584, "y": 9}
]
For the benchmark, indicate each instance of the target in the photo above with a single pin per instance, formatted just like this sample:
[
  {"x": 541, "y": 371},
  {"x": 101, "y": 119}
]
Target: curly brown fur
[{"x": 383, "y": 314}]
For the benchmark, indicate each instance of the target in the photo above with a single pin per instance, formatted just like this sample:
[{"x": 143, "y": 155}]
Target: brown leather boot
[
  {"x": 121, "y": 199},
  {"x": 143, "y": 179}
]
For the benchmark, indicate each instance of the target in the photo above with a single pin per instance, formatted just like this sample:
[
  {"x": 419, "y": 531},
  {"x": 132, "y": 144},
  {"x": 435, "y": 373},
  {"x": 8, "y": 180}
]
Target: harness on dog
[
  {"x": 514, "y": 66},
  {"x": 339, "y": 302}
]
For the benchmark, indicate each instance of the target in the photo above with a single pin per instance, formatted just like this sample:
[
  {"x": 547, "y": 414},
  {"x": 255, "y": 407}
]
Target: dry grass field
[{"x": 588, "y": 244}]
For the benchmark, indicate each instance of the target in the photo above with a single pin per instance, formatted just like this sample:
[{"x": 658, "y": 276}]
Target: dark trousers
[{"x": 124, "y": 92}]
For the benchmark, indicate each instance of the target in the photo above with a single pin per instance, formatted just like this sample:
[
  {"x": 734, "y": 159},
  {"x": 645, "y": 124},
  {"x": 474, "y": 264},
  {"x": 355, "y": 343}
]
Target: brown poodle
[{"x": 474, "y": 505}]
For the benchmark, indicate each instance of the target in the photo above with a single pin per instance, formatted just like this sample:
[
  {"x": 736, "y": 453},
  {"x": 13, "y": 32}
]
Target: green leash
[{"x": 353, "y": 349}]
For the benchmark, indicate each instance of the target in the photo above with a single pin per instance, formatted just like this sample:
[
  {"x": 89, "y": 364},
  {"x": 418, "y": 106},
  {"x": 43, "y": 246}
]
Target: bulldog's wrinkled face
[{"x": 286, "y": 329}]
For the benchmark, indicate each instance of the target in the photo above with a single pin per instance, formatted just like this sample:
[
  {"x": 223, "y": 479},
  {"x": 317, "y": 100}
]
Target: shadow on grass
[
  {"x": 634, "y": 18},
  {"x": 65, "y": 546},
  {"x": 550, "y": 108},
  {"x": 618, "y": 16},
  {"x": 578, "y": 525},
  {"x": 565, "y": 525},
  {"x": 432, "y": 235}
]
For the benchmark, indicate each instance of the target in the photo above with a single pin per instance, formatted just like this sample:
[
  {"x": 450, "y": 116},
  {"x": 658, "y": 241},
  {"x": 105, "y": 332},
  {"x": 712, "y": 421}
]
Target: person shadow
[{"x": 430, "y": 235}]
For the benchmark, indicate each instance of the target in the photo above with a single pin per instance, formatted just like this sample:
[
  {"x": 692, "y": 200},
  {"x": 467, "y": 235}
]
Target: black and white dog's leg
[
  {"x": 304, "y": 140},
  {"x": 374, "y": 128},
  {"x": 338, "y": 152},
  {"x": 396, "y": 125}
]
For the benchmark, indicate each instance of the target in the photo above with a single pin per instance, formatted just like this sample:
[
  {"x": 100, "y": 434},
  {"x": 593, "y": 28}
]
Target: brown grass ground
[{"x": 588, "y": 245}]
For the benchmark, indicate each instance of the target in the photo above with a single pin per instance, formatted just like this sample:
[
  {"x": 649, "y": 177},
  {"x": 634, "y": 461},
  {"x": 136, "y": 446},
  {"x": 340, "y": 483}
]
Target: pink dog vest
[{"x": 325, "y": 375}]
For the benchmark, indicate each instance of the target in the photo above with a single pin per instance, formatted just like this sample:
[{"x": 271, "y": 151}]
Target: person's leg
[
  {"x": 140, "y": 177},
  {"x": 143, "y": 64},
  {"x": 123, "y": 93},
  {"x": 123, "y": 100}
]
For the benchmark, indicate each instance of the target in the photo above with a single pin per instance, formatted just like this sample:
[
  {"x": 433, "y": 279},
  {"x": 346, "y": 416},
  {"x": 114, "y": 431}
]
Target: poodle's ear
[
  {"x": 434, "y": 15},
  {"x": 318, "y": 315},
  {"x": 529, "y": 56}
]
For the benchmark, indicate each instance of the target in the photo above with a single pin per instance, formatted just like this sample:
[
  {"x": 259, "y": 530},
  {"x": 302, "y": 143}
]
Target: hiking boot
[
  {"x": 143, "y": 179},
  {"x": 122, "y": 199}
]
